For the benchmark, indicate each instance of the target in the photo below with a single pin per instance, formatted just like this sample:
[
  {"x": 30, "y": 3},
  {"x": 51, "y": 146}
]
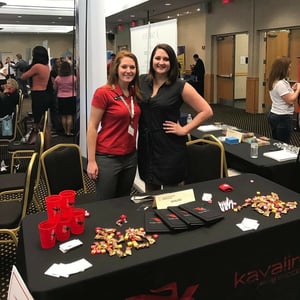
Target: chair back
[
  {"x": 8, "y": 139},
  {"x": 14, "y": 210},
  {"x": 205, "y": 160},
  {"x": 44, "y": 122},
  {"x": 63, "y": 169},
  {"x": 39, "y": 149},
  {"x": 30, "y": 181}
]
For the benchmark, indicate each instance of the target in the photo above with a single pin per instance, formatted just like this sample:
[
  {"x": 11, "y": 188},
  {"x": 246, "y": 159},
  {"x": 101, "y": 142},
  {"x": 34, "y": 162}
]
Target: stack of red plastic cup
[{"x": 63, "y": 219}]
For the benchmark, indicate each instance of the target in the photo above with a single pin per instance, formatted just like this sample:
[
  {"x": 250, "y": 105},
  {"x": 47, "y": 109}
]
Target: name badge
[{"x": 131, "y": 130}]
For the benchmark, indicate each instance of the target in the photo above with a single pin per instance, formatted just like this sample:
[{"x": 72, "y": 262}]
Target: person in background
[
  {"x": 20, "y": 67},
  {"x": 55, "y": 117},
  {"x": 3, "y": 74},
  {"x": 198, "y": 72},
  {"x": 283, "y": 97},
  {"x": 65, "y": 87},
  {"x": 39, "y": 73},
  {"x": 112, "y": 157},
  {"x": 162, "y": 140},
  {"x": 109, "y": 64},
  {"x": 11, "y": 73},
  {"x": 9, "y": 98},
  {"x": 55, "y": 65}
]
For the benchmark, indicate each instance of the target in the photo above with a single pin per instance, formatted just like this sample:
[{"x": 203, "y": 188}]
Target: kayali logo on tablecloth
[{"x": 288, "y": 267}]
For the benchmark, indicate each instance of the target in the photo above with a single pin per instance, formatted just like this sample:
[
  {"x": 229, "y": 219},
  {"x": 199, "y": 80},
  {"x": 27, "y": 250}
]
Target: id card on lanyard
[{"x": 131, "y": 114}]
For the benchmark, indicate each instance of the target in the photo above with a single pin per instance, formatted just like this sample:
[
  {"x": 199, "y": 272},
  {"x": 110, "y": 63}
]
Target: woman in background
[
  {"x": 9, "y": 98},
  {"x": 3, "y": 74},
  {"x": 39, "y": 73},
  {"x": 112, "y": 157},
  {"x": 65, "y": 86},
  {"x": 162, "y": 140},
  {"x": 283, "y": 98}
]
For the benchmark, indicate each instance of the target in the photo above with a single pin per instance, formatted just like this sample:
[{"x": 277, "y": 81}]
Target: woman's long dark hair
[
  {"x": 40, "y": 56},
  {"x": 173, "y": 72}
]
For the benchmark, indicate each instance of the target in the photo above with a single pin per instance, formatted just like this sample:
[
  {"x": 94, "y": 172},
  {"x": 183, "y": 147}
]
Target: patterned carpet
[{"x": 225, "y": 114}]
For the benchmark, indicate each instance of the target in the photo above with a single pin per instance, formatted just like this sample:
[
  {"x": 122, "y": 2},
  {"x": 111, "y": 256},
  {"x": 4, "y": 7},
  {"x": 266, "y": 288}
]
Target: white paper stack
[
  {"x": 248, "y": 224},
  {"x": 65, "y": 270},
  {"x": 281, "y": 155},
  {"x": 207, "y": 128}
]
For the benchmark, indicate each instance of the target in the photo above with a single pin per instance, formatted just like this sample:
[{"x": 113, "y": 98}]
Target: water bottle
[
  {"x": 189, "y": 118},
  {"x": 254, "y": 148}
]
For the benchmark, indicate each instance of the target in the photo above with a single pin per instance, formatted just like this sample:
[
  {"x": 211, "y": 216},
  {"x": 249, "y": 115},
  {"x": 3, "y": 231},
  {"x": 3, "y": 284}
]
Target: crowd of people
[
  {"x": 134, "y": 120},
  {"x": 51, "y": 84}
]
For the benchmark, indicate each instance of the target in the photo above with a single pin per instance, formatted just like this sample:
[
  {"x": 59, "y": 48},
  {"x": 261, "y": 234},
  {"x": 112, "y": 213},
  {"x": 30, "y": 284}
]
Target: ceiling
[
  {"x": 58, "y": 16},
  {"x": 155, "y": 11}
]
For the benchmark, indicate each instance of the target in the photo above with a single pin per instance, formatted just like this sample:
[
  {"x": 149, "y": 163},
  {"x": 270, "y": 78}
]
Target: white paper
[
  {"x": 65, "y": 270},
  {"x": 17, "y": 288},
  {"x": 248, "y": 224},
  {"x": 281, "y": 155},
  {"x": 206, "y": 128},
  {"x": 65, "y": 247}
]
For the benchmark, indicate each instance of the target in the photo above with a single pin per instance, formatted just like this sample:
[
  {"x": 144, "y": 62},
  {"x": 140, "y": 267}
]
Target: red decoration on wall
[
  {"x": 120, "y": 26},
  {"x": 226, "y": 1},
  {"x": 133, "y": 23}
]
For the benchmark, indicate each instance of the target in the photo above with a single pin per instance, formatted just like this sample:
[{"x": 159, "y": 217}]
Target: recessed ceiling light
[
  {"x": 132, "y": 16},
  {"x": 33, "y": 28},
  {"x": 167, "y": 4}
]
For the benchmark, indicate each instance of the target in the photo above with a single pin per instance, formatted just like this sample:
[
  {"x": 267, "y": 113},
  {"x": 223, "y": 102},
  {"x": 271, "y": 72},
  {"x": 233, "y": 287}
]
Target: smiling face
[
  {"x": 126, "y": 70},
  {"x": 161, "y": 62}
]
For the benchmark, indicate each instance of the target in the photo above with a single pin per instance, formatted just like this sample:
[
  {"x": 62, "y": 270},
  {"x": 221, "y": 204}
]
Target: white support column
[{"x": 91, "y": 57}]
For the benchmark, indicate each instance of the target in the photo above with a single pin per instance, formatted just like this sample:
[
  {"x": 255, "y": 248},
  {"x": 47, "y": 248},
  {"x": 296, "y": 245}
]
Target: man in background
[
  {"x": 20, "y": 67},
  {"x": 198, "y": 72}
]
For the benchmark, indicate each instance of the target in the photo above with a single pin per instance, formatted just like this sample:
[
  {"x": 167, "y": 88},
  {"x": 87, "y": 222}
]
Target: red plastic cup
[
  {"x": 53, "y": 207},
  {"x": 63, "y": 229},
  {"x": 67, "y": 202},
  {"x": 47, "y": 234},
  {"x": 77, "y": 221}
]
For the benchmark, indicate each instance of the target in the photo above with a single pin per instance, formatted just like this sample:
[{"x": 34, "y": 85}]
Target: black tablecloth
[
  {"x": 238, "y": 158},
  {"x": 221, "y": 258}
]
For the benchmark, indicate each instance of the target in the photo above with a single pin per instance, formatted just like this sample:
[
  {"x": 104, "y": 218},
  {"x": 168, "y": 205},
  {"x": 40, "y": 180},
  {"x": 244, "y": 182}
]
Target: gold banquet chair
[
  {"x": 206, "y": 159},
  {"x": 62, "y": 168},
  {"x": 21, "y": 151},
  {"x": 15, "y": 181},
  {"x": 19, "y": 120},
  {"x": 13, "y": 211}
]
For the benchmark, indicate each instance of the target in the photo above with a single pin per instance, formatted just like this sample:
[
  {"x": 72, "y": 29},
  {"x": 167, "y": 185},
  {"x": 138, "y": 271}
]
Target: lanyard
[{"x": 131, "y": 111}]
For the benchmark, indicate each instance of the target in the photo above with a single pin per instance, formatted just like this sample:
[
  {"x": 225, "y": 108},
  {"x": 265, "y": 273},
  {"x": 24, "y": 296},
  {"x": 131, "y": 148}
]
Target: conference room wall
[{"x": 11, "y": 44}]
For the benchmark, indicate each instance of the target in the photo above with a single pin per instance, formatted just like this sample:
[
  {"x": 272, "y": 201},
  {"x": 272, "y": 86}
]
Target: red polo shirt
[{"x": 113, "y": 137}]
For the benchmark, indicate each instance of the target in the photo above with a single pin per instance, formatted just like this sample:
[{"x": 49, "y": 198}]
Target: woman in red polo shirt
[{"x": 112, "y": 129}]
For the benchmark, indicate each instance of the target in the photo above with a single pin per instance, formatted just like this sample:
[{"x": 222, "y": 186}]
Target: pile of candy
[
  {"x": 113, "y": 242},
  {"x": 266, "y": 205}
]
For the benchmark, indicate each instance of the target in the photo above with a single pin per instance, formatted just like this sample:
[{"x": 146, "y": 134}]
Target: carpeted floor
[{"x": 225, "y": 114}]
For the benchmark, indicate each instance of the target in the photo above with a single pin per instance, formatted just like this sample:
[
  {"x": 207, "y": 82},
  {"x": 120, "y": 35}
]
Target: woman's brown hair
[
  {"x": 113, "y": 73},
  {"x": 173, "y": 72},
  {"x": 279, "y": 70}
]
